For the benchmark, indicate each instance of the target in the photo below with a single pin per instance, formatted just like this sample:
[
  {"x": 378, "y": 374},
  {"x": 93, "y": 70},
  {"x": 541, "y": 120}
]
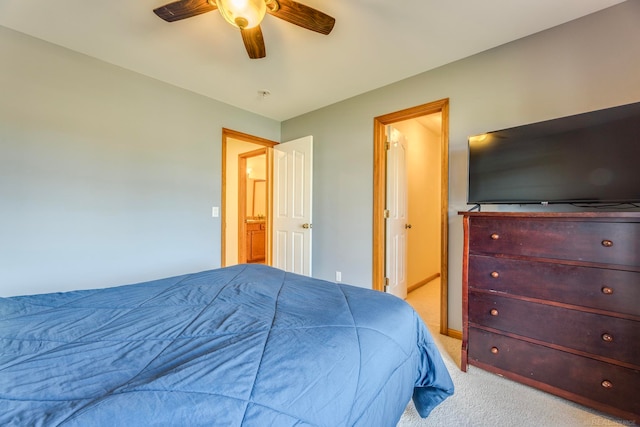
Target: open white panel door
[
  {"x": 292, "y": 186},
  {"x": 397, "y": 221}
]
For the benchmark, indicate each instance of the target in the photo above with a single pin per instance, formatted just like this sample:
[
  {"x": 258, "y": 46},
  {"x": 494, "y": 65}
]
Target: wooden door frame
[
  {"x": 240, "y": 136},
  {"x": 379, "y": 196}
]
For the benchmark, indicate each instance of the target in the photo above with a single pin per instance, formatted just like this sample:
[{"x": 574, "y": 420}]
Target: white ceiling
[{"x": 374, "y": 43}]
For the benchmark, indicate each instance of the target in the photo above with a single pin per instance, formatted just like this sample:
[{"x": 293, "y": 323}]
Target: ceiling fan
[{"x": 247, "y": 15}]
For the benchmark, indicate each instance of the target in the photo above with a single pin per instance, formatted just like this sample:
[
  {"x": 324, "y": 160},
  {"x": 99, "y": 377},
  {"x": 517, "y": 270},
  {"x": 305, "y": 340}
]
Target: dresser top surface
[{"x": 625, "y": 216}]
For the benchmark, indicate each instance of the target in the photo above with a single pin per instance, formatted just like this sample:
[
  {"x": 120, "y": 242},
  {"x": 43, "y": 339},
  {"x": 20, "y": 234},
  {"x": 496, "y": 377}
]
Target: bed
[{"x": 247, "y": 345}]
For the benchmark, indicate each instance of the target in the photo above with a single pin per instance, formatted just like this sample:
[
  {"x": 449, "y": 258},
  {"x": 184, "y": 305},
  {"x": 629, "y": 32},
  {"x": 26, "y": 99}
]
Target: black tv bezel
[{"x": 596, "y": 116}]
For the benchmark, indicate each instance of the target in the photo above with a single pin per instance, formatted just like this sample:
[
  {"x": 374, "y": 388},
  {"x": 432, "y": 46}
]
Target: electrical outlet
[{"x": 338, "y": 276}]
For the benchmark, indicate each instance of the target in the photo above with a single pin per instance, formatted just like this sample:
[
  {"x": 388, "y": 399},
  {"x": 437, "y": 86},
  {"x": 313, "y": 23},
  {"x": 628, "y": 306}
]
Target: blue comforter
[{"x": 238, "y": 346}]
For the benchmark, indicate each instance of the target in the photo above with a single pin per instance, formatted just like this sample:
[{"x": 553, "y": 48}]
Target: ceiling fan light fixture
[
  {"x": 243, "y": 14},
  {"x": 247, "y": 16}
]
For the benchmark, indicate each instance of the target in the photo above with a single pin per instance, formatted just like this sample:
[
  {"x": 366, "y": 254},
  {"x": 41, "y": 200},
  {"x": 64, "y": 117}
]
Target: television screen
[{"x": 587, "y": 158}]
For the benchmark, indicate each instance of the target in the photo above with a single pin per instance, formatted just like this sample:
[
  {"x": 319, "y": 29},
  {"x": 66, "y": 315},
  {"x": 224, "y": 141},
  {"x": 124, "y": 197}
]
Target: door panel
[
  {"x": 396, "y": 231},
  {"x": 292, "y": 171}
]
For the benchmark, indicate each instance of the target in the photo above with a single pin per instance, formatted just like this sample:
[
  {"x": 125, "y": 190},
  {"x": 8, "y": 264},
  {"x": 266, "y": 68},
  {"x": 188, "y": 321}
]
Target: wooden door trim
[
  {"x": 379, "y": 196},
  {"x": 245, "y": 137}
]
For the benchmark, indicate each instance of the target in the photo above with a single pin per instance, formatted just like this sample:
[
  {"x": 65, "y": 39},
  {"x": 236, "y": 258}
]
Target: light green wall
[
  {"x": 106, "y": 177},
  {"x": 588, "y": 64}
]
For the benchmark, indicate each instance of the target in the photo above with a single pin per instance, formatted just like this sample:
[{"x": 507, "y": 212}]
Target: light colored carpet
[{"x": 484, "y": 399}]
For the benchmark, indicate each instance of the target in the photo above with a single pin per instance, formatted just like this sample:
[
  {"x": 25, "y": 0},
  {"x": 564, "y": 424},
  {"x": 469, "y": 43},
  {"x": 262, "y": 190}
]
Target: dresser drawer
[
  {"x": 608, "y": 384},
  {"x": 598, "y": 242},
  {"x": 605, "y": 289},
  {"x": 605, "y": 336}
]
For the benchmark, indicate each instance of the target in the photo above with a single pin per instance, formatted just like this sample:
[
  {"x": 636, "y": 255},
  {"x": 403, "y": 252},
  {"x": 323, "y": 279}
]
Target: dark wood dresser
[{"x": 552, "y": 300}]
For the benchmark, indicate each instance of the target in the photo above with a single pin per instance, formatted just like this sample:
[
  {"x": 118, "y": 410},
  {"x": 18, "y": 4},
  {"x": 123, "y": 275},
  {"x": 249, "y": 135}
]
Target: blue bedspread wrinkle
[{"x": 247, "y": 345}]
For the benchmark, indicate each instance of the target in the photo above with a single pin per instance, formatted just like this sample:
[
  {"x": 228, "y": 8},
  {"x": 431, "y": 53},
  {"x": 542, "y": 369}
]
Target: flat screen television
[{"x": 590, "y": 158}]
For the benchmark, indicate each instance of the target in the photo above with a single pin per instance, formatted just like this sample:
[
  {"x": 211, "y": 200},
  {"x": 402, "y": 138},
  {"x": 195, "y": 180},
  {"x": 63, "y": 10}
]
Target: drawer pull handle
[
  {"x": 607, "y": 384},
  {"x": 607, "y": 337},
  {"x": 607, "y": 243},
  {"x": 494, "y": 312},
  {"x": 607, "y": 290},
  {"x": 494, "y": 350},
  {"x": 495, "y": 236},
  {"x": 495, "y": 274}
]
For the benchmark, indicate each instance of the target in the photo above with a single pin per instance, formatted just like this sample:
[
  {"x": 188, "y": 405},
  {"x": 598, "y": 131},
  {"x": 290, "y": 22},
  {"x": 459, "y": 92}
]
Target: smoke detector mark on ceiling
[{"x": 263, "y": 93}]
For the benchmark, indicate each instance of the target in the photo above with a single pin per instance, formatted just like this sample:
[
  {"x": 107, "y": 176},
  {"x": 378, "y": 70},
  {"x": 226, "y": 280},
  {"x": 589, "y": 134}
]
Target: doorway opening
[
  {"x": 235, "y": 146},
  {"x": 252, "y": 206},
  {"x": 439, "y": 109}
]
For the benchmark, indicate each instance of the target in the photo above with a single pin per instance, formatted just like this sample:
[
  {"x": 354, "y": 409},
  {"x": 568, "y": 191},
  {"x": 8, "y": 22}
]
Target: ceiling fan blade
[
  {"x": 253, "y": 42},
  {"x": 183, "y": 9},
  {"x": 303, "y": 16}
]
